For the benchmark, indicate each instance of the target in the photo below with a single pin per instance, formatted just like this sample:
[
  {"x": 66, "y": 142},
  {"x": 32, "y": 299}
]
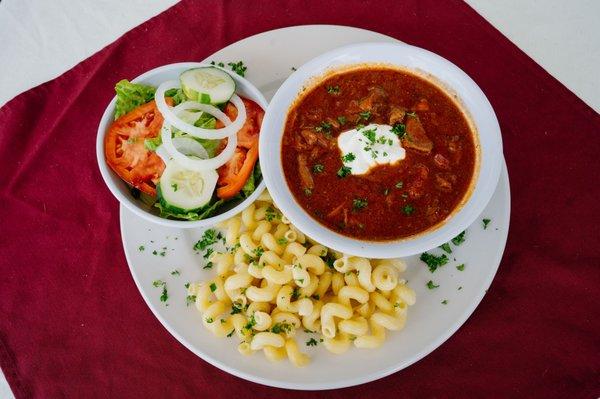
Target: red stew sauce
[{"x": 391, "y": 201}]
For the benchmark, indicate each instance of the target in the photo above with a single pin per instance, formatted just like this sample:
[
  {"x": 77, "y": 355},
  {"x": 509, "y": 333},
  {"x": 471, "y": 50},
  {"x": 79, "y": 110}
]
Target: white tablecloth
[{"x": 41, "y": 39}]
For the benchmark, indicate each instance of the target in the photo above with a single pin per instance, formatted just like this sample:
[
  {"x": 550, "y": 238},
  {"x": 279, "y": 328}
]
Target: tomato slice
[
  {"x": 125, "y": 151},
  {"x": 234, "y": 174},
  {"x": 248, "y": 135}
]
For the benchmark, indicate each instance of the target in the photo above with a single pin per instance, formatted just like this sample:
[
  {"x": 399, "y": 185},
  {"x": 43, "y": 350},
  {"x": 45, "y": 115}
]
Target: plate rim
[{"x": 343, "y": 383}]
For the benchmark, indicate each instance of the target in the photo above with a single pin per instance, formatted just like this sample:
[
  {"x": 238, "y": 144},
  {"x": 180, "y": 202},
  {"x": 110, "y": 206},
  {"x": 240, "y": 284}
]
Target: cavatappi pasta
[{"x": 272, "y": 281}]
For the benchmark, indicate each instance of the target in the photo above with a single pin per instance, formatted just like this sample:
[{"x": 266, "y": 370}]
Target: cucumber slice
[
  {"x": 207, "y": 85},
  {"x": 183, "y": 190}
]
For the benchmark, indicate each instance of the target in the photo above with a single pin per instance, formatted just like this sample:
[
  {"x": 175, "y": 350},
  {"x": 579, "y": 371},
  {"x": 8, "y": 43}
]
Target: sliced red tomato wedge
[
  {"x": 234, "y": 174},
  {"x": 125, "y": 151}
]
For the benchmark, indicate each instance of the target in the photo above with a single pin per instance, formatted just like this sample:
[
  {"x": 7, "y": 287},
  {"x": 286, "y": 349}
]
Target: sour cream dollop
[{"x": 369, "y": 146}]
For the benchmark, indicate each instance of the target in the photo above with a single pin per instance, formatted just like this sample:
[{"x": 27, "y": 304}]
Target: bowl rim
[
  {"x": 109, "y": 176},
  {"x": 485, "y": 177}
]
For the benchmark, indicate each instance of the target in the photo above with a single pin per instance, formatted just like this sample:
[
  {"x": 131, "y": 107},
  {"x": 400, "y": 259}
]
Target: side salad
[{"x": 188, "y": 147}]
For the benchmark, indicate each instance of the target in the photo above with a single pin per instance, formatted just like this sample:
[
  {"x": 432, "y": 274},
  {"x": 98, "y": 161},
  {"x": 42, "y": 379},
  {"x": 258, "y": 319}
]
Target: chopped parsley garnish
[
  {"x": 381, "y": 140},
  {"x": 175, "y": 273},
  {"x": 279, "y": 328},
  {"x": 271, "y": 214},
  {"x": 318, "y": 168},
  {"x": 175, "y": 186},
  {"x": 461, "y": 267},
  {"x": 459, "y": 239},
  {"x": 251, "y": 323},
  {"x": 187, "y": 285},
  {"x": 307, "y": 191},
  {"x": 349, "y": 157},
  {"x": 230, "y": 333},
  {"x": 236, "y": 308},
  {"x": 433, "y": 261},
  {"x": 359, "y": 203},
  {"x": 207, "y": 253},
  {"x": 431, "y": 285},
  {"x": 295, "y": 294},
  {"x": 164, "y": 295},
  {"x": 445, "y": 302},
  {"x": 312, "y": 342},
  {"x": 329, "y": 259},
  {"x": 238, "y": 67},
  {"x": 282, "y": 241},
  {"x": 209, "y": 320},
  {"x": 155, "y": 252},
  {"x": 486, "y": 222},
  {"x": 446, "y": 248},
  {"x": 399, "y": 129},
  {"x": 344, "y": 171},
  {"x": 333, "y": 89},
  {"x": 209, "y": 237},
  {"x": 460, "y": 288},
  {"x": 190, "y": 299},
  {"x": 341, "y": 119},
  {"x": 208, "y": 265},
  {"x": 213, "y": 287},
  {"x": 294, "y": 69},
  {"x": 220, "y": 64},
  {"x": 141, "y": 248},
  {"x": 408, "y": 209},
  {"x": 324, "y": 127},
  {"x": 258, "y": 251},
  {"x": 370, "y": 135},
  {"x": 366, "y": 115},
  {"x": 400, "y": 184}
]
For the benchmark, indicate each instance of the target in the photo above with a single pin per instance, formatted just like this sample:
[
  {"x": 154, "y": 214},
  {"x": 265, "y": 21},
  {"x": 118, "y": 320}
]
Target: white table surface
[{"x": 41, "y": 39}]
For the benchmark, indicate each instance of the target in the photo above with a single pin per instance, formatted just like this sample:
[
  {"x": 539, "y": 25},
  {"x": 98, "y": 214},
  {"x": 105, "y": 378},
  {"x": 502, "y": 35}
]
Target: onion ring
[
  {"x": 197, "y": 164},
  {"x": 171, "y": 118}
]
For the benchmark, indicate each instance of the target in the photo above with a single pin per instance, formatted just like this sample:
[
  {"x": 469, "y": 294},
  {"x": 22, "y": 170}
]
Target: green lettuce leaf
[
  {"x": 199, "y": 214},
  {"x": 131, "y": 95},
  {"x": 252, "y": 181}
]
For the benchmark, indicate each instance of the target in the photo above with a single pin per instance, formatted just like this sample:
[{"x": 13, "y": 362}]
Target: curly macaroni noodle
[{"x": 273, "y": 280}]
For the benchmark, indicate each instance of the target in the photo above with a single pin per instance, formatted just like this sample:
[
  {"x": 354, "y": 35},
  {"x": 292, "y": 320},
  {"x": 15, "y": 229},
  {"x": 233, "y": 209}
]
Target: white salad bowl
[
  {"x": 121, "y": 190},
  {"x": 425, "y": 63}
]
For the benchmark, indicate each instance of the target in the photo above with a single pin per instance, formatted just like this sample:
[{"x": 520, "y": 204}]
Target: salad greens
[
  {"x": 199, "y": 214},
  {"x": 131, "y": 95}
]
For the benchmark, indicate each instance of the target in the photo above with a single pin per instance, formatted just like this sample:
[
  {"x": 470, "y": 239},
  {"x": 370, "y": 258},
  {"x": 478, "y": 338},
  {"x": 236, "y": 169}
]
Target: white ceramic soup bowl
[
  {"x": 122, "y": 191},
  {"x": 442, "y": 72}
]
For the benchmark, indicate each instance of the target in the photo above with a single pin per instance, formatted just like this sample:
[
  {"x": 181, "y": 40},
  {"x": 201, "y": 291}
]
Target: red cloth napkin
[{"x": 73, "y": 325}]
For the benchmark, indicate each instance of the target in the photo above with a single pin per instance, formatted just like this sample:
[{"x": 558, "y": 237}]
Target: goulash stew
[{"x": 377, "y": 153}]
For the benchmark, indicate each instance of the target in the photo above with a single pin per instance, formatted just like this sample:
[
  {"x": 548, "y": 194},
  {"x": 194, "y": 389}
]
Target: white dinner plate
[{"x": 270, "y": 57}]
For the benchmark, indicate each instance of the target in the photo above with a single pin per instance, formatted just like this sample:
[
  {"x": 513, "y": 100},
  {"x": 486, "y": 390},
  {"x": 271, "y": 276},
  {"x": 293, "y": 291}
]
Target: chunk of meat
[
  {"x": 444, "y": 181},
  {"x": 336, "y": 211},
  {"x": 315, "y": 153},
  {"x": 299, "y": 143},
  {"x": 441, "y": 162},
  {"x": 314, "y": 115},
  {"x": 397, "y": 114},
  {"x": 455, "y": 147},
  {"x": 415, "y": 137},
  {"x": 375, "y": 102},
  {"x": 422, "y": 105},
  {"x": 333, "y": 122},
  {"x": 309, "y": 135},
  {"x": 304, "y": 172},
  {"x": 432, "y": 210},
  {"x": 419, "y": 175}
]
